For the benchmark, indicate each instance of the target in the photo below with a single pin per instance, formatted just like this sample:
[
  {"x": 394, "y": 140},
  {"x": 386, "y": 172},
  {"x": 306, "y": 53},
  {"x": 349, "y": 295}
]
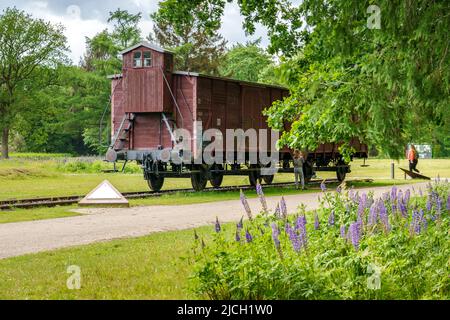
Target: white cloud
[{"x": 83, "y": 18}]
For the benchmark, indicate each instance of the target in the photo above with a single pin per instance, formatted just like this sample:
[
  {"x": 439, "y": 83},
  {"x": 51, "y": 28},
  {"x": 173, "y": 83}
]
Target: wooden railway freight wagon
[{"x": 151, "y": 103}]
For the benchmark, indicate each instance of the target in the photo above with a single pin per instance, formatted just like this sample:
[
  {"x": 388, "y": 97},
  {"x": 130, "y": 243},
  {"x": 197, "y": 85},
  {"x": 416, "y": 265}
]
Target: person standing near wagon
[
  {"x": 299, "y": 160},
  {"x": 413, "y": 158}
]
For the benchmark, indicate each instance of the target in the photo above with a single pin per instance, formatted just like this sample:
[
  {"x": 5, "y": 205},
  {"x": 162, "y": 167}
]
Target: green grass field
[
  {"x": 150, "y": 267},
  {"x": 39, "y": 177}
]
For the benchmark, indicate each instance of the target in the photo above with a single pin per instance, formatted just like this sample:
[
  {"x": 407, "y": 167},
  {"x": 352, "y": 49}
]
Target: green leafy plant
[{"x": 353, "y": 247}]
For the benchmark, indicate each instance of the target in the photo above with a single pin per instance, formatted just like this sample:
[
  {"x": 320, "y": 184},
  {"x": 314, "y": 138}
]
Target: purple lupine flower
[
  {"x": 394, "y": 206},
  {"x": 423, "y": 221},
  {"x": 301, "y": 226},
  {"x": 261, "y": 196},
  {"x": 218, "y": 228},
  {"x": 429, "y": 204},
  {"x": 283, "y": 208},
  {"x": 240, "y": 224},
  {"x": 416, "y": 222},
  {"x": 400, "y": 195},
  {"x": 275, "y": 236},
  {"x": 438, "y": 204},
  {"x": 316, "y": 220},
  {"x": 331, "y": 218},
  {"x": 373, "y": 215},
  {"x": 294, "y": 238},
  {"x": 248, "y": 236},
  {"x": 339, "y": 189},
  {"x": 403, "y": 209},
  {"x": 277, "y": 211},
  {"x": 354, "y": 235},
  {"x": 360, "y": 209},
  {"x": 342, "y": 229},
  {"x": 384, "y": 216},
  {"x": 246, "y": 206},
  {"x": 323, "y": 187},
  {"x": 385, "y": 196},
  {"x": 363, "y": 200},
  {"x": 351, "y": 194},
  {"x": 448, "y": 203},
  {"x": 238, "y": 236},
  {"x": 407, "y": 196},
  {"x": 393, "y": 193}
]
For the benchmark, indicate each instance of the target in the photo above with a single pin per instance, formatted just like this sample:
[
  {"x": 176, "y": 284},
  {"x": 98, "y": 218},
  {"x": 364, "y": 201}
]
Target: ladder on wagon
[{"x": 123, "y": 132}]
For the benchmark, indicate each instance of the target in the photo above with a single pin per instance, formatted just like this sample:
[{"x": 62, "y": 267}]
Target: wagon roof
[
  {"x": 249, "y": 83},
  {"x": 195, "y": 74},
  {"x": 147, "y": 45}
]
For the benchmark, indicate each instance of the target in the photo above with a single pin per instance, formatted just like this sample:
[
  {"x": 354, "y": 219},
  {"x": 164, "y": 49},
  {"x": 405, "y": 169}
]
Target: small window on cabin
[
  {"x": 137, "y": 60},
  {"x": 147, "y": 59}
]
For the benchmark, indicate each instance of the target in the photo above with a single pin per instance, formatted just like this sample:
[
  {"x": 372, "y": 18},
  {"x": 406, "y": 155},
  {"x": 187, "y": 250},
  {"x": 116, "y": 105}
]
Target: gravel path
[{"x": 106, "y": 224}]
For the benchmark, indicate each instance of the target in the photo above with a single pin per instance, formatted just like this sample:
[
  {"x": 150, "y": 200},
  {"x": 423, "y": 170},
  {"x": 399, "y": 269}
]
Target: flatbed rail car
[{"x": 150, "y": 101}]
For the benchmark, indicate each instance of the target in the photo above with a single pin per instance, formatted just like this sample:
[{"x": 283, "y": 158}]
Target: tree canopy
[
  {"x": 245, "y": 62},
  {"x": 25, "y": 45},
  {"x": 196, "y": 48},
  {"x": 388, "y": 86}
]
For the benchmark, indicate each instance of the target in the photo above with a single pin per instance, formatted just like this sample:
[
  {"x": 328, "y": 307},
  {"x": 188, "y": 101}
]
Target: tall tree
[
  {"x": 195, "y": 49},
  {"x": 102, "y": 58},
  {"x": 245, "y": 62},
  {"x": 102, "y": 50},
  {"x": 25, "y": 45},
  {"x": 349, "y": 75},
  {"x": 126, "y": 31}
]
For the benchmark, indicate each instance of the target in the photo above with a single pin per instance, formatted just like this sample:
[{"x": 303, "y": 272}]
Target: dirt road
[{"x": 106, "y": 224}]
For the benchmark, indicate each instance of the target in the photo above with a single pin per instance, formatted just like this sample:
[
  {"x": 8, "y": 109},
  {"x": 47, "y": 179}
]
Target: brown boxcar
[{"x": 150, "y": 101}]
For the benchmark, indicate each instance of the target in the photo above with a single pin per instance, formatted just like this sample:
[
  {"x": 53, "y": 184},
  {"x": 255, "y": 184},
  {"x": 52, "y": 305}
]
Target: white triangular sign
[{"x": 104, "y": 194}]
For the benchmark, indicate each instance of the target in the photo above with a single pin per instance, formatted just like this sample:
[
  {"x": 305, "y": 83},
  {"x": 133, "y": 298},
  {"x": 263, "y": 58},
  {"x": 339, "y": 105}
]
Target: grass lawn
[
  {"x": 20, "y": 215},
  {"x": 150, "y": 267},
  {"x": 28, "y": 178}
]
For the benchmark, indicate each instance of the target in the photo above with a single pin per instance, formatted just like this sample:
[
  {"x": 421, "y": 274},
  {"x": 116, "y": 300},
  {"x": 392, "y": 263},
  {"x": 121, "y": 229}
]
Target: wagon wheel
[
  {"x": 216, "y": 178},
  {"x": 268, "y": 179},
  {"x": 254, "y": 176},
  {"x": 308, "y": 171},
  {"x": 340, "y": 174},
  {"x": 199, "y": 179},
  {"x": 340, "y": 171},
  {"x": 155, "y": 182}
]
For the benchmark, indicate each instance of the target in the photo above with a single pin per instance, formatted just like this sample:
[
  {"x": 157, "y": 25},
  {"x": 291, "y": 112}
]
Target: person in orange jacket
[{"x": 413, "y": 158}]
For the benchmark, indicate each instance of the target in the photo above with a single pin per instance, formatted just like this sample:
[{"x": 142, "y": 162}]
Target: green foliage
[
  {"x": 26, "y": 46},
  {"x": 195, "y": 49},
  {"x": 126, "y": 32},
  {"x": 410, "y": 264},
  {"x": 391, "y": 85},
  {"x": 246, "y": 62},
  {"x": 57, "y": 117}
]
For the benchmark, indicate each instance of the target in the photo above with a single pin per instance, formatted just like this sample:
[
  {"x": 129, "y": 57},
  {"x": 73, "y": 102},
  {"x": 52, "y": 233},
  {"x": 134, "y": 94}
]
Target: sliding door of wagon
[
  {"x": 251, "y": 113},
  {"x": 233, "y": 114}
]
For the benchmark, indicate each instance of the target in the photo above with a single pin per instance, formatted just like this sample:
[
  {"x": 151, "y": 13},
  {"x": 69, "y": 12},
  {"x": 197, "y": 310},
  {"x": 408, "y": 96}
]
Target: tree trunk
[{"x": 5, "y": 138}]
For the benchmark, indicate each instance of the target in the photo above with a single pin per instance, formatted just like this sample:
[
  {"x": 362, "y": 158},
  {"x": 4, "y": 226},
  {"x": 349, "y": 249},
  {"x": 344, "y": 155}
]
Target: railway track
[{"x": 68, "y": 200}]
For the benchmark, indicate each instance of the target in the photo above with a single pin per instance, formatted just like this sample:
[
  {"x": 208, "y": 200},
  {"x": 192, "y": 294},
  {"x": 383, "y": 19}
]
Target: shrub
[{"x": 352, "y": 247}]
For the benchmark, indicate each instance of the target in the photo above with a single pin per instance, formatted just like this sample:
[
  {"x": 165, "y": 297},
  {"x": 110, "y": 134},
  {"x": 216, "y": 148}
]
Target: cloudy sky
[{"x": 85, "y": 18}]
